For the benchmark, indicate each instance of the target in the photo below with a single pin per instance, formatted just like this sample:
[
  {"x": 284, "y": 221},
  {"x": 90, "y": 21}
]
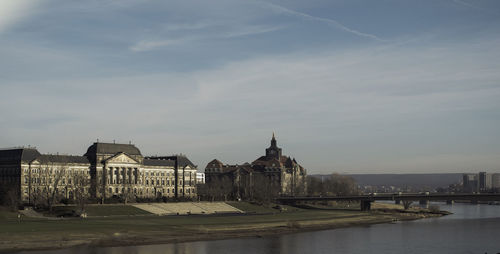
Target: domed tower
[{"x": 273, "y": 152}]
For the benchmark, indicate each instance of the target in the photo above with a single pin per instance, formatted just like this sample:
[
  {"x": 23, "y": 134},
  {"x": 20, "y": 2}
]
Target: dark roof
[
  {"x": 235, "y": 168},
  {"x": 111, "y": 148},
  {"x": 18, "y": 155},
  {"x": 215, "y": 162},
  {"x": 63, "y": 159},
  {"x": 183, "y": 161},
  {"x": 154, "y": 162}
]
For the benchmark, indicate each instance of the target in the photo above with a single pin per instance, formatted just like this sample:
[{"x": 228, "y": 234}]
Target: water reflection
[{"x": 471, "y": 229}]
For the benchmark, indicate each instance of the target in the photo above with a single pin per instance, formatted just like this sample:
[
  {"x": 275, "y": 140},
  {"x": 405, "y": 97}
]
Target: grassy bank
[{"x": 140, "y": 229}]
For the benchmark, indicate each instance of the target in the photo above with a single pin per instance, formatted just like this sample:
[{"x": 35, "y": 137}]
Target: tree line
[{"x": 260, "y": 188}]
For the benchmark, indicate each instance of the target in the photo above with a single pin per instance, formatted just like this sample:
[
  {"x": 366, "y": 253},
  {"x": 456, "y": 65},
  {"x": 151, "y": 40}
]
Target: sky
[{"x": 348, "y": 86}]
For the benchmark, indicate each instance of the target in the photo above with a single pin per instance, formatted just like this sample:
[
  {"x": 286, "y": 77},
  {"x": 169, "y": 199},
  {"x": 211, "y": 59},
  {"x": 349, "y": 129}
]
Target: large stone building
[
  {"x": 272, "y": 172},
  {"x": 105, "y": 170}
]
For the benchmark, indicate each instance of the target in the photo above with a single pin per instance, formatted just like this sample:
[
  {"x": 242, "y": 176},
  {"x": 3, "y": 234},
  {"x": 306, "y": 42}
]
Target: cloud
[
  {"x": 186, "y": 26},
  {"x": 332, "y": 22},
  {"x": 147, "y": 45},
  {"x": 348, "y": 109},
  {"x": 463, "y": 3},
  {"x": 253, "y": 30},
  {"x": 12, "y": 11},
  {"x": 234, "y": 32}
]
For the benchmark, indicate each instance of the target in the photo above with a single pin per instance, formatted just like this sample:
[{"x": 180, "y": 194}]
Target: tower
[{"x": 273, "y": 152}]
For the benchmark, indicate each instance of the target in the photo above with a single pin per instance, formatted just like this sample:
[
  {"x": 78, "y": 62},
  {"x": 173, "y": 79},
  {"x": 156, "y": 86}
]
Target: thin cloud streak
[
  {"x": 147, "y": 45},
  {"x": 281, "y": 9},
  {"x": 253, "y": 30}
]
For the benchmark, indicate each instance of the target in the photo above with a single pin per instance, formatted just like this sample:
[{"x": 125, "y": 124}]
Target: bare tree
[
  {"x": 264, "y": 188},
  {"x": 218, "y": 187},
  {"x": 49, "y": 182},
  {"x": 13, "y": 199},
  {"x": 332, "y": 185},
  {"x": 407, "y": 204},
  {"x": 80, "y": 184}
]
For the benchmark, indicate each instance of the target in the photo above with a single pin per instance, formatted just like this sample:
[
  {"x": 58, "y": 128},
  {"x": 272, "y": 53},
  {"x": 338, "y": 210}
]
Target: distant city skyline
[{"x": 347, "y": 86}]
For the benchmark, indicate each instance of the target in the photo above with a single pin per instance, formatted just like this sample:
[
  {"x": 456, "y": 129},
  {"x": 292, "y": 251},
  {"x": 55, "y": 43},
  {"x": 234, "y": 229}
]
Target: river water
[{"x": 471, "y": 229}]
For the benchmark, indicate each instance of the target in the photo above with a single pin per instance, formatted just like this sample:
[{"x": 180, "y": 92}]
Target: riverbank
[{"x": 37, "y": 234}]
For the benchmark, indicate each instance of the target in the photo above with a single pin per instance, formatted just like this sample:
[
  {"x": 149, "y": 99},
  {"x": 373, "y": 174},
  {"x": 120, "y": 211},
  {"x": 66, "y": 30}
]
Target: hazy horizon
[{"x": 347, "y": 86}]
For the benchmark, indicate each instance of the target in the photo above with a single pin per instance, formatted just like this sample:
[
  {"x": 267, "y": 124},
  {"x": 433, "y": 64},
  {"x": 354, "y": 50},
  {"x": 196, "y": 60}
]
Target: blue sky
[{"x": 348, "y": 86}]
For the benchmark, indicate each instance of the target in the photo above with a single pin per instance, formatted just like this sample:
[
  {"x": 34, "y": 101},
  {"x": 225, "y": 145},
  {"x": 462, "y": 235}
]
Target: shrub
[{"x": 434, "y": 209}]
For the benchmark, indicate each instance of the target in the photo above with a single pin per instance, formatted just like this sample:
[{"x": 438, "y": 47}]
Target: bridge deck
[{"x": 397, "y": 196}]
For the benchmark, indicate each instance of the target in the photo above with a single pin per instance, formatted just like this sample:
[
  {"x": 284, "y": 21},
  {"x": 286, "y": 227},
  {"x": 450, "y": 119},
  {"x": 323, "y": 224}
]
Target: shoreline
[{"x": 208, "y": 232}]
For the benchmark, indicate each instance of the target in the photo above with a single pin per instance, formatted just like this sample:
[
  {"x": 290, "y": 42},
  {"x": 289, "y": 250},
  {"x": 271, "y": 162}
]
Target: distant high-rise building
[
  {"x": 470, "y": 182},
  {"x": 482, "y": 186},
  {"x": 495, "y": 181}
]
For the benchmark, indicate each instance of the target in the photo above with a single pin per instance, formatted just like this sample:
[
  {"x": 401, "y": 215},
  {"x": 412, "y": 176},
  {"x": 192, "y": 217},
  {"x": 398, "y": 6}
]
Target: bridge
[{"x": 365, "y": 200}]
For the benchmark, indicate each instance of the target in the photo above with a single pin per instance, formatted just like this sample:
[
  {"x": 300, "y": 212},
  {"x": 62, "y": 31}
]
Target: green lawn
[
  {"x": 33, "y": 233},
  {"x": 100, "y": 210},
  {"x": 10, "y": 225},
  {"x": 253, "y": 208}
]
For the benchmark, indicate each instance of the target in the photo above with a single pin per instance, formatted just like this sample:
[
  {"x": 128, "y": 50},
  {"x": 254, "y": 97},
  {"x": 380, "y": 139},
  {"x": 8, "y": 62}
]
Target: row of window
[
  {"x": 50, "y": 180},
  {"x": 55, "y": 171},
  {"x": 169, "y": 183},
  {"x": 58, "y": 191},
  {"x": 140, "y": 192}
]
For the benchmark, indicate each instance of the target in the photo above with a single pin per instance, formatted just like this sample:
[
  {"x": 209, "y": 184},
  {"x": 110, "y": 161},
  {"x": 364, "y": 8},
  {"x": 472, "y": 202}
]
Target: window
[{"x": 162, "y": 182}]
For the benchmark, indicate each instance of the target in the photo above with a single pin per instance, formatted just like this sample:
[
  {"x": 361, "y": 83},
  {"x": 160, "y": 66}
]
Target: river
[{"x": 470, "y": 229}]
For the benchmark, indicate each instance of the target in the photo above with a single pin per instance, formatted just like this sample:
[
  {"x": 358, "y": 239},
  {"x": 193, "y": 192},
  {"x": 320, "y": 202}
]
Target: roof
[
  {"x": 63, "y": 159},
  {"x": 183, "y": 161},
  {"x": 18, "y": 155},
  {"x": 155, "y": 162},
  {"x": 215, "y": 163},
  {"x": 112, "y": 148},
  {"x": 234, "y": 168}
]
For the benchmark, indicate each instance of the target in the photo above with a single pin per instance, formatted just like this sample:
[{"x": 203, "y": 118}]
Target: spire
[
  {"x": 273, "y": 152},
  {"x": 273, "y": 141}
]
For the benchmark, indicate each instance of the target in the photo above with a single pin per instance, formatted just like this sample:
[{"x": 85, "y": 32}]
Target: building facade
[
  {"x": 272, "y": 172},
  {"x": 104, "y": 171},
  {"x": 481, "y": 182}
]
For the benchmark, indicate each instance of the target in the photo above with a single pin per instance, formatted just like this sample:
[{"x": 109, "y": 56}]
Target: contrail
[{"x": 281, "y": 9}]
